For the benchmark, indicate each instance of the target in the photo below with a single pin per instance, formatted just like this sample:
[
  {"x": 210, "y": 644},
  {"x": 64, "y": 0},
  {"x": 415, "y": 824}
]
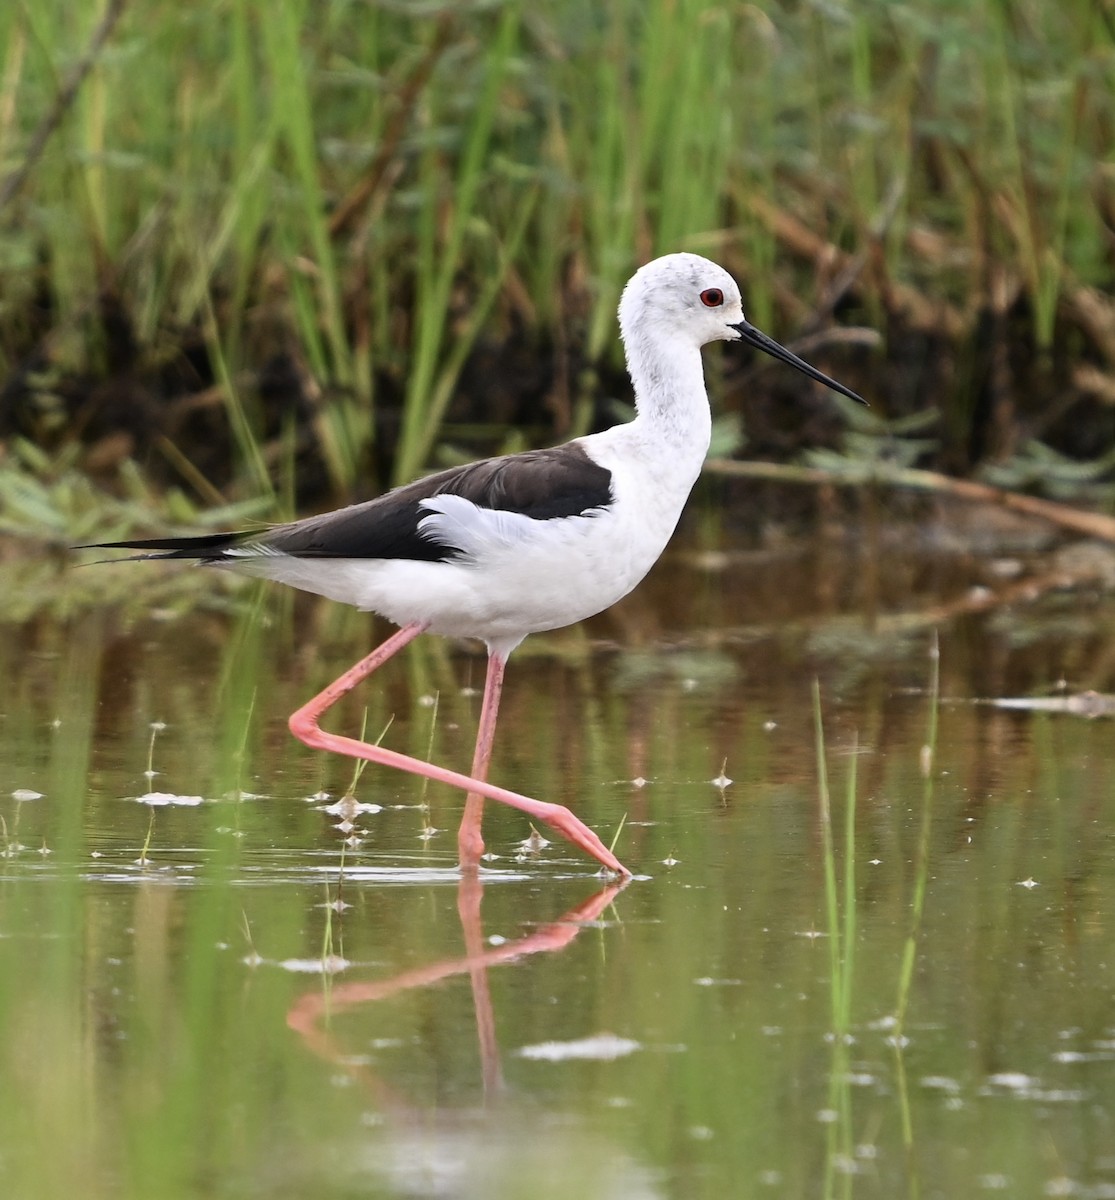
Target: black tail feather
[{"x": 206, "y": 546}]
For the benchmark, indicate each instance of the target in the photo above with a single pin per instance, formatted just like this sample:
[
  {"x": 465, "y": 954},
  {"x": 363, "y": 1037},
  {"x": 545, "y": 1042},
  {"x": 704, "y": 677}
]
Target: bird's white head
[
  {"x": 681, "y": 296},
  {"x": 685, "y": 299}
]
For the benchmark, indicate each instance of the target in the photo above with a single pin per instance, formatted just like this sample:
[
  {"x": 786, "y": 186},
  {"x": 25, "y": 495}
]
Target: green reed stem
[
  {"x": 441, "y": 246},
  {"x": 245, "y": 439},
  {"x": 282, "y": 27}
]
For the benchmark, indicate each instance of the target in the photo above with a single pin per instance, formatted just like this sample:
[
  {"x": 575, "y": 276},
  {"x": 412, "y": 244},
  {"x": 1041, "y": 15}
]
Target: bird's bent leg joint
[{"x": 304, "y": 721}]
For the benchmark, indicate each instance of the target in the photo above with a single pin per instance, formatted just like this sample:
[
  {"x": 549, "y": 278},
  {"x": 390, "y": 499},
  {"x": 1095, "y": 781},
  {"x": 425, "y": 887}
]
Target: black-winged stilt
[{"x": 514, "y": 545}]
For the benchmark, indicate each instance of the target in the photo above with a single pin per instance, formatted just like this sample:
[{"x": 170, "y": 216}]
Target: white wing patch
[
  {"x": 461, "y": 525},
  {"x": 474, "y": 531}
]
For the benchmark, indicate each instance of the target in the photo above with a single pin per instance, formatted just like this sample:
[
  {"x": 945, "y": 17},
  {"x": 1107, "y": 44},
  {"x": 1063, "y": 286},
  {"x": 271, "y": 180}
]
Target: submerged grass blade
[
  {"x": 828, "y": 861},
  {"x": 917, "y": 906},
  {"x": 841, "y": 929},
  {"x": 619, "y": 830},
  {"x": 921, "y": 872},
  {"x": 848, "y": 938},
  {"x": 840, "y": 897}
]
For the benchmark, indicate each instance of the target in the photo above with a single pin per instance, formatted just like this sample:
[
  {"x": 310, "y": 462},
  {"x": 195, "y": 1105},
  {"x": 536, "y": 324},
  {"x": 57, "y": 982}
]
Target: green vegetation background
[{"x": 244, "y": 241}]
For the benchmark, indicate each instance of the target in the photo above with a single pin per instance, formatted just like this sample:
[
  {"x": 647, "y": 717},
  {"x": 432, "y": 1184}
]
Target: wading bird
[{"x": 513, "y": 545}]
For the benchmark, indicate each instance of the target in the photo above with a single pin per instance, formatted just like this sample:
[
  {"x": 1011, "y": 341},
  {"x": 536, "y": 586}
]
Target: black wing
[{"x": 541, "y": 484}]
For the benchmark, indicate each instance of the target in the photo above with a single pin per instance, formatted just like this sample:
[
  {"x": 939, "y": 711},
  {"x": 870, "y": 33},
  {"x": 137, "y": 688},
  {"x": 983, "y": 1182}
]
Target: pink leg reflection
[{"x": 306, "y": 1013}]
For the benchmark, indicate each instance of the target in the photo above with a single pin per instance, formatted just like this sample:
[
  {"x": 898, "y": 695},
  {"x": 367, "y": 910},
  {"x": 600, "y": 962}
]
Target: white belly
[{"x": 569, "y": 569}]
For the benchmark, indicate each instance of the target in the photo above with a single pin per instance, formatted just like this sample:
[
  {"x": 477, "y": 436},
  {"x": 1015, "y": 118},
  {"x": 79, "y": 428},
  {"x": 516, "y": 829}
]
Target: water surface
[{"x": 213, "y": 985}]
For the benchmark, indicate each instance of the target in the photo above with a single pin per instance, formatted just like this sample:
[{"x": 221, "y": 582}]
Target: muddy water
[{"x": 214, "y": 982}]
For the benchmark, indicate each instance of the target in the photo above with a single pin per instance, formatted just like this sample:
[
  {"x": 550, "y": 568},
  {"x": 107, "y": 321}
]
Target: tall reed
[{"x": 373, "y": 189}]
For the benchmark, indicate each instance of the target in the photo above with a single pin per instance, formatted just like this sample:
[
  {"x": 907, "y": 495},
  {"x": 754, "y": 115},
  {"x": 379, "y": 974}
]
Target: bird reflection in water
[{"x": 307, "y": 1015}]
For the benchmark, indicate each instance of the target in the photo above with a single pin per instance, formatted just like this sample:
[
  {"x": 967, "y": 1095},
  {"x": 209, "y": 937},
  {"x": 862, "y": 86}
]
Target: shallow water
[{"x": 207, "y": 988}]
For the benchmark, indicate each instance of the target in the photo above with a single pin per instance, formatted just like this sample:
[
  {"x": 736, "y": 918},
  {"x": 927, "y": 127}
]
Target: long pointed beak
[{"x": 755, "y": 337}]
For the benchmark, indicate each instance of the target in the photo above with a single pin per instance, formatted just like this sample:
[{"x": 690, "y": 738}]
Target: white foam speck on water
[
  {"x": 1016, "y": 1081},
  {"x": 941, "y": 1083},
  {"x": 603, "y": 1047},
  {"x": 331, "y": 964},
  {"x": 165, "y": 799},
  {"x": 349, "y": 807}
]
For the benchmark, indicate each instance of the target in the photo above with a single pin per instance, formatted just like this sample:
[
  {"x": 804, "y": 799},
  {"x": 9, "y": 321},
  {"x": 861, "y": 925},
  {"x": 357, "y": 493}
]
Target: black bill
[{"x": 755, "y": 337}]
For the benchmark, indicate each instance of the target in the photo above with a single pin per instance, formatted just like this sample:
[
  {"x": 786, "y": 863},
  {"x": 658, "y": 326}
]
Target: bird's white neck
[{"x": 671, "y": 402}]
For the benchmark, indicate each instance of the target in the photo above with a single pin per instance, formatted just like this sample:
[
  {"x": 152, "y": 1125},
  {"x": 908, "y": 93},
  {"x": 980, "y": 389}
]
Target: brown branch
[
  {"x": 1064, "y": 515},
  {"x": 934, "y": 315},
  {"x": 1094, "y": 313}
]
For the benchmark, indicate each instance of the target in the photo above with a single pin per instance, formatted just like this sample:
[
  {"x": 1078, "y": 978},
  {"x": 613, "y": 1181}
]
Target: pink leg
[
  {"x": 304, "y": 726},
  {"x": 470, "y": 841}
]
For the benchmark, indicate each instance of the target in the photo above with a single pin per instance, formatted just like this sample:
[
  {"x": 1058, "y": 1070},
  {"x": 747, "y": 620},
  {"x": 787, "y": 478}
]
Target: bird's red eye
[{"x": 712, "y": 297}]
